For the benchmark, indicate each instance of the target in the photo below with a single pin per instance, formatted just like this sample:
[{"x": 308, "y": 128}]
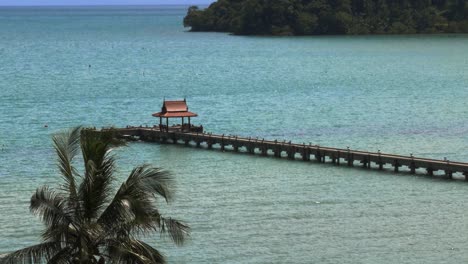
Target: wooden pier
[
  {"x": 190, "y": 135},
  {"x": 305, "y": 152}
]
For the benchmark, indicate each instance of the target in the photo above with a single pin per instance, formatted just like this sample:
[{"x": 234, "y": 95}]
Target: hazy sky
[{"x": 101, "y": 2}]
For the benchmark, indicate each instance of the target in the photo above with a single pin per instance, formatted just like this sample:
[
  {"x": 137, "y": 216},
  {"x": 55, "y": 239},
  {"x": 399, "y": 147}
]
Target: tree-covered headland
[{"x": 319, "y": 17}]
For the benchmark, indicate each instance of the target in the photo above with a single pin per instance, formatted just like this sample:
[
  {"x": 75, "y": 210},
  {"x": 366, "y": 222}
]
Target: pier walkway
[{"x": 306, "y": 152}]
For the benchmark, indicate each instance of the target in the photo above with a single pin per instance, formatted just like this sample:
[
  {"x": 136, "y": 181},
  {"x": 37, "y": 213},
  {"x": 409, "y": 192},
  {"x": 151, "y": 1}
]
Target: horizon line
[{"x": 101, "y": 5}]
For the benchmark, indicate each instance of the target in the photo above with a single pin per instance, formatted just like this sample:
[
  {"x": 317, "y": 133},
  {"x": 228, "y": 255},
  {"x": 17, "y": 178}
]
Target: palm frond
[
  {"x": 33, "y": 254},
  {"x": 67, "y": 234},
  {"x": 154, "y": 180},
  {"x": 99, "y": 168},
  {"x": 177, "y": 230},
  {"x": 133, "y": 251},
  {"x": 118, "y": 216},
  {"x": 67, "y": 145},
  {"x": 108, "y": 136},
  {"x": 95, "y": 189},
  {"x": 51, "y": 207},
  {"x": 61, "y": 257},
  {"x": 134, "y": 201}
]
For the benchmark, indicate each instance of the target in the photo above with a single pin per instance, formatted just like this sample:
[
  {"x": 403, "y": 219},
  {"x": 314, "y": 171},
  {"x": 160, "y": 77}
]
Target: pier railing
[{"x": 306, "y": 152}]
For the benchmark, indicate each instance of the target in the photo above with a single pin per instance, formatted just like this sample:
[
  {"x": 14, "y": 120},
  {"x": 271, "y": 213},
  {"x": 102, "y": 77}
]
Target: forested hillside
[{"x": 318, "y": 17}]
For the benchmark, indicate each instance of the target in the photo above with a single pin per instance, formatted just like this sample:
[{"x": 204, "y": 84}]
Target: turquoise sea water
[{"x": 107, "y": 66}]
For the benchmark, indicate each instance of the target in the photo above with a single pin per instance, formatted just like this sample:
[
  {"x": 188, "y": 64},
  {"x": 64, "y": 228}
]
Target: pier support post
[
  {"x": 465, "y": 173},
  {"x": 277, "y": 152},
  {"x": 350, "y": 160},
  {"x": 264, "y": 151},
  {"x": 186, "y": 142},
  {"x": 379, "y": 162},
  {"x": 305, "y": 155},
  {"x": 396, "y": 166},
  {"x": 251, "y": 149},
  {"x": 236, "y": 147},
  {"x": 222, "y": 147},
  {"x": 430, "y": 171},
  {"x": 198, "y": 143},
  {"x": 364, "y": 163},
  {"x": 210, "y": 145},
  {"x": 449, "y": 174},
  {"x": 412, "y": 167},
  {"x": 318, "y": 157}
]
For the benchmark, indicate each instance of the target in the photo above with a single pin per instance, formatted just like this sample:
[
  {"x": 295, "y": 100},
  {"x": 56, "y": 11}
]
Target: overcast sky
[{"x": 101, "y": 2}]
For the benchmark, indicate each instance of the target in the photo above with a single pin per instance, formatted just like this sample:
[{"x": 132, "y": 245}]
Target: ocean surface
[{"x": 104, "y": 66}]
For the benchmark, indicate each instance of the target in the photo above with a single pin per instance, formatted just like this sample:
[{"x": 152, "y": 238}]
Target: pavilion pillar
[
  {"x": 167, "y": 124},
  {"x": 189, "y": 123},
  {"x": 160, "y": 122},
  {"x": 182, "y": 126}
]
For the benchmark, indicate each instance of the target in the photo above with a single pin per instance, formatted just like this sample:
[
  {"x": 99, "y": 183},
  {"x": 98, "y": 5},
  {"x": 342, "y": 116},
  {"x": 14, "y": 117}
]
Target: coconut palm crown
[{"x": 84, "y": 223}]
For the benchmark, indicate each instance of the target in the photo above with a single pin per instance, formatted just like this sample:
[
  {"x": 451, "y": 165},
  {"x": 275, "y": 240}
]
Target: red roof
[
  {"x": 175, "y": 109},
  {"x": 175, "y": 106},
  {"x": 175, "y": 114}
]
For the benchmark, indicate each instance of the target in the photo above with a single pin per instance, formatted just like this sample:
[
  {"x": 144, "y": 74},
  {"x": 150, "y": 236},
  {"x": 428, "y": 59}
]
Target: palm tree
[{"x": 83, "y": 223}]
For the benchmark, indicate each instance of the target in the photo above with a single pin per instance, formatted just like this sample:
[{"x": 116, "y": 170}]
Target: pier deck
[{"x": 306, "y": 152}]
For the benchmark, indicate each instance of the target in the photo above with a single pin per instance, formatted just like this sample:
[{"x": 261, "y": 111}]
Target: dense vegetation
[
  {"x": 316, "y": 17},
  {"x": 84, "y": 222}
]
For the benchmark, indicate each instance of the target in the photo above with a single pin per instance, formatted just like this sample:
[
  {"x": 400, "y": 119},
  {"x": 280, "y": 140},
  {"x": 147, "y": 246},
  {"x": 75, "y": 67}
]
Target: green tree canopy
[{"x": 317, "y": 17}]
